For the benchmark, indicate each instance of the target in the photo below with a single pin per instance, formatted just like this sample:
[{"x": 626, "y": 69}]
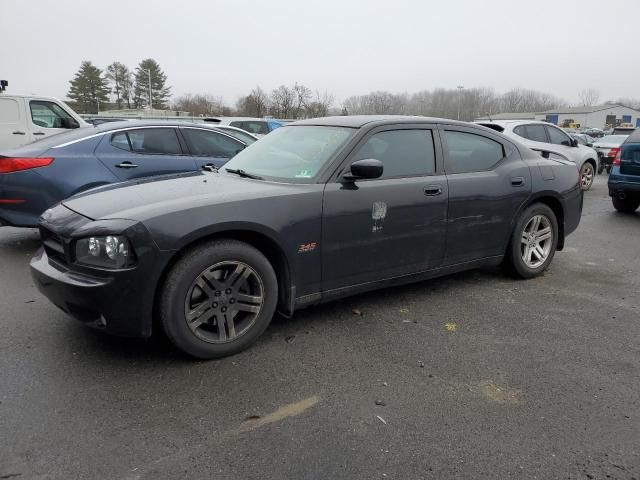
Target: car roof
[
  {"x": 358, "y": 121},
  {"x": 504, "y": 123},
  {"x": 634, "y": 137}
]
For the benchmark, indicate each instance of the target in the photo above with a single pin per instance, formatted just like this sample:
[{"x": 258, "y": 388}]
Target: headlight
[{"x": 113, "y": 251}]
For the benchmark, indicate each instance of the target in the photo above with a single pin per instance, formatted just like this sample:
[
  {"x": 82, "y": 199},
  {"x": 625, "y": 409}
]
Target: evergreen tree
[
  {"x": 121, "y": 80},
  {"x": 88, "y": 88},
  {"x": 160, "y": 93}
]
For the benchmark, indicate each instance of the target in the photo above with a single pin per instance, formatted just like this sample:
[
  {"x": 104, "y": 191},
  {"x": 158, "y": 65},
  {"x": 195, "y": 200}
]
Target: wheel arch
[
  {"x": 551, "y": 200},
  {"x": 260, "y": 240}
]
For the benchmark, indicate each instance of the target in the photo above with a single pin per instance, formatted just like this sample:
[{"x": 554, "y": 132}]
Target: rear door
[
  {"x": 488, "y": 183},
  {"x": 47, "y": 118},
  {"x": 142, "y": 152},
  {"x": 210, "y": 148},
  {"x": 391, "y": 226},
  {"x": 13, "y": 123}
]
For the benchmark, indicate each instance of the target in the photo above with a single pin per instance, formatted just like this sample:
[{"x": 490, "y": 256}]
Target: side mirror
[
  {"x": 69, "y": 123},
  {"x": 368, "y": 168},
  {"x": 574, "y": 142}
]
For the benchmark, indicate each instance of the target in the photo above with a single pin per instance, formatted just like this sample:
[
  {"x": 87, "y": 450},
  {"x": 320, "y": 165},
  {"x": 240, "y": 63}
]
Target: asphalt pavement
[{"x": 470, "y": 376}]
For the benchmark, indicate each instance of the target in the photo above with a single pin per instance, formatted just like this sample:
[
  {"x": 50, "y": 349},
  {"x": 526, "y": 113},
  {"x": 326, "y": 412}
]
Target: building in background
[{"x": 600, "y": 116}]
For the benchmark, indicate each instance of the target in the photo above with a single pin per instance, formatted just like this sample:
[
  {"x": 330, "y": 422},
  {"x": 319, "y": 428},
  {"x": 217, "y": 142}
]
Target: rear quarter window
[{"x": 9, "y": 110}]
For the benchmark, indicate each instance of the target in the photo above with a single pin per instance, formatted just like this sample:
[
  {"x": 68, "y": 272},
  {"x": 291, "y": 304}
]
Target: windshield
[
  {"x": 613, "y": 139},
  {"x": 293, "y": 154}
]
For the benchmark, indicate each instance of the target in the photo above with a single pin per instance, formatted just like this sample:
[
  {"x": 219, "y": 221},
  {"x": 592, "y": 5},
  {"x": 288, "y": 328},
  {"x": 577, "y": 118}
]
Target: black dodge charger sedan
[{"x": 318, "y": 209}]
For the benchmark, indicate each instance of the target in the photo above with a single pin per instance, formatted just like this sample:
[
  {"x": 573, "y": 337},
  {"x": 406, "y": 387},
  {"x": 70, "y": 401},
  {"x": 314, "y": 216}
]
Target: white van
[{"x": 26, "y": 118}]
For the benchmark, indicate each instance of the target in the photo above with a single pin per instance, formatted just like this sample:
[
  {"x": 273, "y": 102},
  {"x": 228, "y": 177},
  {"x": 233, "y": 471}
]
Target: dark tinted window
[
  {"x": 532, "y": 132},
  {"x": 163, "y": 141},
  {"x": 204, "y": 143},
  {"x": 255, "y": 127},
  {"x": 467, "y": 152},
  {"x": 558, "y": 137},
  {"x": 404, "y": 153}
]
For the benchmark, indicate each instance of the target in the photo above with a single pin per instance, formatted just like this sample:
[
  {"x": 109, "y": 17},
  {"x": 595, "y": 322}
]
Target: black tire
[
  {"x": 587, "y": 175},
  {"x": 514, "y": 263},
  {"x": 600, "y": 167},
  {"x": 626, "y": 205},
  {"x": 178, "y": 290}
]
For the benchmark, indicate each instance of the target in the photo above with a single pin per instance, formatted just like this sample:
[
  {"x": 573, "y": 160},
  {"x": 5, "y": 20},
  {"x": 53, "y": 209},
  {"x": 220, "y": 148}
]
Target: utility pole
[
  {"x": 150, "y": 101},
  {"x": 460, "y": 87}
]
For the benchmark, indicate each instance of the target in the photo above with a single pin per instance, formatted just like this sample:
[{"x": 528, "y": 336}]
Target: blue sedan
[{"x": 39, "y": 175}]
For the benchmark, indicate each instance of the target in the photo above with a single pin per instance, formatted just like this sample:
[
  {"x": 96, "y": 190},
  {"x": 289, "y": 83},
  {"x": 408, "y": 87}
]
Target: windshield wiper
[{"x": 242, "y": 173}]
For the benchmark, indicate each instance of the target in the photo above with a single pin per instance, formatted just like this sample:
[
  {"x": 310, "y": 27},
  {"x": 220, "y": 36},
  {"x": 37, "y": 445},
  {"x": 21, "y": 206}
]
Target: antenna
[{"x": 3, "y": 84}]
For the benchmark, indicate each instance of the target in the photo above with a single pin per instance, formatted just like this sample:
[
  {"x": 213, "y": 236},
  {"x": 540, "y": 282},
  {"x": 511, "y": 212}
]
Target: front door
[
  {"x": 142, "y": 152},
  {"x": 391, "y": 226},
  {"x": 488, "y": 183},
  {"x": 48, "y": 118}
]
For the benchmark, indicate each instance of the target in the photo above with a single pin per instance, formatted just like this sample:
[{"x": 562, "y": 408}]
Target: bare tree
[
  {"x": 201, "y": 104},
  {"x": 589, "y": 97},
  {"x": 303, "y": 96},
  {"x": 282, "y": 102},
  {"x": 320, "y": 105},
  {"x": 255, "y": 104}
]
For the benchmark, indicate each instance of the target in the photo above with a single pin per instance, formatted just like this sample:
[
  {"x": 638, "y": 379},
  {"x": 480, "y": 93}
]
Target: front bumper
[
  {"x": 120, "y": 302},
  {"x": 114, "y": 303}
]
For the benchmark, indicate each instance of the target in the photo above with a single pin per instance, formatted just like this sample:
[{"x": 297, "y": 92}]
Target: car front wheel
[
  {"x": 587, "y": 174},
  {"x": 218, "y": 299},
  {"x": 533, "y": 242},
  {"x": 627, "y": 204}
]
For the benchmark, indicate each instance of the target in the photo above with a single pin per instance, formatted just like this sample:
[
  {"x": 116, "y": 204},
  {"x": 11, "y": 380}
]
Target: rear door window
[
  {"x": 558, "y": 137},
  {"x": 152, "y": 141},
  {"x": 469, "y": 152},
  {"x": 536, "y": 133},
  {"x": 404, "y": 153}
]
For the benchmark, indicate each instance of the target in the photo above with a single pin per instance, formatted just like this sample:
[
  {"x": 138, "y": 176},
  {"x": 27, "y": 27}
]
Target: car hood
[{"x": 149, "y": 197}]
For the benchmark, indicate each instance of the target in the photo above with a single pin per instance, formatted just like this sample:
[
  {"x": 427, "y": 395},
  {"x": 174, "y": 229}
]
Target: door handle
[
  {"x": 126, "y": 165},
  {"x": 38, "y": 133},
  {"x": 517, "y": 181},
  {"x": 19, "y": 133},
  {"x": 432, "y": 190}
]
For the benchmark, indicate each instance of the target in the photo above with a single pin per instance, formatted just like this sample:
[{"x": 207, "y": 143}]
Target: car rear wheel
[
  {"x": 218, "y": 299},
  {"x": 533, "y": 242},
  {"x": 587, "y": 174},
  {"x": 627, "y": 204}
]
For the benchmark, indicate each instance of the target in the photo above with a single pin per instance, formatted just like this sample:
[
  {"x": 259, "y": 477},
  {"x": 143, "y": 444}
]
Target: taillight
[
  {"x": 9, "y": 165},
  {"x": 613, "y": 152},
  {"x": 616, "y": 161}
]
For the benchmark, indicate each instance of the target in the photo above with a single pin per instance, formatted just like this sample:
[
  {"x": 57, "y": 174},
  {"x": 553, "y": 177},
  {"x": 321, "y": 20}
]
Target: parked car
[
  {"x": 592, "y": 132},
  {"x": 607, "y": 148},
  {"x": 317, "y": 210},
  {"x": 256, "y": 126},
  {"x": 238, "y": 133},
  {"x": 26, "y": 118},
  {"x": 583, "y": 139},
  {"x": 545, "y": 136},
  {"x": 627, "y": 130},
  {"x": 36, "y": 176},
  {"x": 624, "y": 179}
]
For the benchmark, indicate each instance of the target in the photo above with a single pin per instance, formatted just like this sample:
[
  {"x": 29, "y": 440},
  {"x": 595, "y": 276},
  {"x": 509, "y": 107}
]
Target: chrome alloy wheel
[
  {"x": 536, "y": 241},
  {"x": 224, "y": 302},
  {"x": 586, "y": 176}
]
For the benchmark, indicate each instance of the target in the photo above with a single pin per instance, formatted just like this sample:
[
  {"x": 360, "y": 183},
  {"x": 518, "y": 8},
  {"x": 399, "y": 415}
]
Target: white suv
[{"x": 547, "y": 137}]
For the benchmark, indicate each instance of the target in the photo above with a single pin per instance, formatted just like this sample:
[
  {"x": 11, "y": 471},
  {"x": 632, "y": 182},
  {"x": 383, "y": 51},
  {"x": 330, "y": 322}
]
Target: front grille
[{"x": 53, "y": 245}]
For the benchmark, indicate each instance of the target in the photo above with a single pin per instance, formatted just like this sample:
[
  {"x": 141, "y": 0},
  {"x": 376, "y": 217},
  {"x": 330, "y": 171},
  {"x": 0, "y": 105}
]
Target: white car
[
  {"x": 547, "y": 137},
  {"x": 256, "y": 126},
  {"x": 27, "y": 118},
  {"x": 607, "y": 148}
]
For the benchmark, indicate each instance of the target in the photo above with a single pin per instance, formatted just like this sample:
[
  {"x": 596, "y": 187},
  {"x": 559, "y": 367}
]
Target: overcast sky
[{"x": 226, "y": 47}]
